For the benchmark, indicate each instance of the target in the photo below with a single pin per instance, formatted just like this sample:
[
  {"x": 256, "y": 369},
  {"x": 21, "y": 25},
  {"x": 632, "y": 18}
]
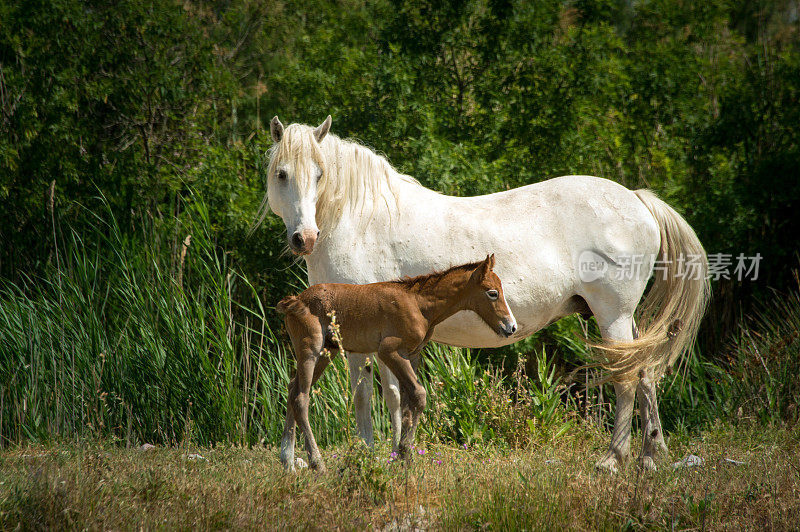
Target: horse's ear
[
  {"x": 323, "y": 129},
  {"x": 490, "y": 261},
  {"x": 276, "y": 128}
]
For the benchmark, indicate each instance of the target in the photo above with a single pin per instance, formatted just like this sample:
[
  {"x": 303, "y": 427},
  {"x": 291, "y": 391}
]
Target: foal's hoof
[{"x": 299, "y": 463}]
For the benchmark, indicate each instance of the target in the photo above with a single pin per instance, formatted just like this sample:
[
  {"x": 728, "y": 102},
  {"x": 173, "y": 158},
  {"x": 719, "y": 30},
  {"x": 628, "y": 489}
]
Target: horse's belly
[{"x": 466, "y": 329}]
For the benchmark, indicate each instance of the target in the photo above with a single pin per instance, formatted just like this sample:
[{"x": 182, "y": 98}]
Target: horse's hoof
[
  {"x": 318, "y": 466},
  {"x": 299, "y": 463},
  {"x": 661, "y": 447},
  {"x": 647, "y": 464},
  {"x": 609, "y": 464}
]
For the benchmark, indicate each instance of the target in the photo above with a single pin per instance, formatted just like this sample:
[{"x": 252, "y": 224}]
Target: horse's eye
[
  {"x": 282, "y": 175},
  {"x": 492, "y": 294}
]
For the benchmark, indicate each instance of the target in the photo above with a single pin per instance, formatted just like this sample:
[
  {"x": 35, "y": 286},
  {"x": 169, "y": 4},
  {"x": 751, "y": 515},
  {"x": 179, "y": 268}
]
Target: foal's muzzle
[
  {"x": 302, "y": 242},
  {"x": 508, "y": 327}
]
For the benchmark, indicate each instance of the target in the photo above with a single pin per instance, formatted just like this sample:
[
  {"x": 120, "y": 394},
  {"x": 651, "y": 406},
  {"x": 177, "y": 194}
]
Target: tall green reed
[{"x": 136, "y": 336}]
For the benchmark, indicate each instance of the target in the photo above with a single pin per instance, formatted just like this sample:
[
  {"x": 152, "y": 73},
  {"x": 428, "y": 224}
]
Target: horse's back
[{"x": 537, "y": 232}]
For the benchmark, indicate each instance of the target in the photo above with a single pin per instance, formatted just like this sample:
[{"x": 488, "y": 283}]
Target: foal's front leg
[{"x": 412, "y": 394}]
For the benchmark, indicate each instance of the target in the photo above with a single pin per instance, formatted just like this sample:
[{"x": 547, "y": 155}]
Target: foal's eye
[
  {"x": 492, "y": 294},
  {"x": 282, "y": 175}
]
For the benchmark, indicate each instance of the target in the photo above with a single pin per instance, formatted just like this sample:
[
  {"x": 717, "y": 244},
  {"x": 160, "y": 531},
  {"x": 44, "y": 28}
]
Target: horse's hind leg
[
  {"x": 620, "y": 329},
  {"x": 652, "y": 433}
]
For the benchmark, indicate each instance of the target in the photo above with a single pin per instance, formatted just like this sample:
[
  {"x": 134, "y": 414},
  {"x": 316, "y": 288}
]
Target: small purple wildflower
[
  {"x": 421, "y": 451},
  {"x": 465, "y": 446},
  {"x": 393, "y": 455},
  {"x": 438, "y": 462}
]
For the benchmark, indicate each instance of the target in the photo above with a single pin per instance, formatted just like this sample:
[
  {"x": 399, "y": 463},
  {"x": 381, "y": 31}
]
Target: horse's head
[
  {"x": 487, "y": 300},
  {"x": 295, "y": 169}
]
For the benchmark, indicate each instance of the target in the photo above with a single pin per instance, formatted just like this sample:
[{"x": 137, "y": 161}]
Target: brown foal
[{"x": 395, "y": 319}]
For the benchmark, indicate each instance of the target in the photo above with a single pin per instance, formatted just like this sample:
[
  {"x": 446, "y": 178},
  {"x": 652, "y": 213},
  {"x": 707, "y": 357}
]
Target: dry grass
[{"x": 552, "y": 484}]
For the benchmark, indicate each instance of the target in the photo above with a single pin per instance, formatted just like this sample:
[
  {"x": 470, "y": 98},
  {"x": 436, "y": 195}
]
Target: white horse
[{"x": 569, "y": 244}]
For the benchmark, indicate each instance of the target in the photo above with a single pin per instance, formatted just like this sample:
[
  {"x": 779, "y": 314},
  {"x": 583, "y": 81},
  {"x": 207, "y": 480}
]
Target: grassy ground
[{"x": 551, "y": 484}]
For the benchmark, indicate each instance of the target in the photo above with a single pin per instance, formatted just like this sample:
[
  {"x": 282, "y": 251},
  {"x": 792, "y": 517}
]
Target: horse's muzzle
[{"x": 302, "y": 242}]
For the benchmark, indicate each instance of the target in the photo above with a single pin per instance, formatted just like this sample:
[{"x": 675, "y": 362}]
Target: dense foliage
[{"x": 125, "y": 128}]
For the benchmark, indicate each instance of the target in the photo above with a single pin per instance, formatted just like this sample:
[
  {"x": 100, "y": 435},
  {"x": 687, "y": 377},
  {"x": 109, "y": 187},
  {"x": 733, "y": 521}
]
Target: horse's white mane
[{"x": 353, "y": 176}]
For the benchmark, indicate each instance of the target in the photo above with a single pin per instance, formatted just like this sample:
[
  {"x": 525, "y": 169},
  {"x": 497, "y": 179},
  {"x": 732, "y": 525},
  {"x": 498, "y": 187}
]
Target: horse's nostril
[
  {"x": 513, "y": 329},
  {"x": 297, "y": 241},
  {"x": 317, "y": 234}
]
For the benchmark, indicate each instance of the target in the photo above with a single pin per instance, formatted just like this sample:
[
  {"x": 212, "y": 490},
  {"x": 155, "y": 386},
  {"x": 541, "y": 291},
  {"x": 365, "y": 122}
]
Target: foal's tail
[
  {"x": 671, "y": 312},
  {"x": 291, "y": 305}
]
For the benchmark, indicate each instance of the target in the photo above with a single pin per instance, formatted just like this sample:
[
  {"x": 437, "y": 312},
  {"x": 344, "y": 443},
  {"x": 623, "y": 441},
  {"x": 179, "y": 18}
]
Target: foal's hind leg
[
  {"x": 300, "y": 401},
  {"x": 306, "y": 334},
  {"x": 288, "y": 439}
]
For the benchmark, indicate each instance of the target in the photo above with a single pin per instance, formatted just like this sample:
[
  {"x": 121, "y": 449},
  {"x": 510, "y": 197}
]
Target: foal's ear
[
  {"x": 276, "y": 128},
  {"x": 486, "y": 266},
  {"x": 488, "y": 263},
  {"x": 323, "y": 129}
]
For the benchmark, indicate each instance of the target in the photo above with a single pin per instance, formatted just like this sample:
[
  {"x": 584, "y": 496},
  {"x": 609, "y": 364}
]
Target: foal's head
[{"x": 484, "y": 296}]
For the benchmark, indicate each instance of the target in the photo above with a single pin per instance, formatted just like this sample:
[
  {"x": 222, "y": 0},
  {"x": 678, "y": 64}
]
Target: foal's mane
[
  {"x": 421, "y": 281},
  {"x": 353, "y": 176}
]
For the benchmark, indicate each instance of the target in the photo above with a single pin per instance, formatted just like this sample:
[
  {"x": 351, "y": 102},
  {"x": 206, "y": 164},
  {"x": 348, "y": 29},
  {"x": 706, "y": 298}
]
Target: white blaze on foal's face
[{"x": 292, "y": 183}]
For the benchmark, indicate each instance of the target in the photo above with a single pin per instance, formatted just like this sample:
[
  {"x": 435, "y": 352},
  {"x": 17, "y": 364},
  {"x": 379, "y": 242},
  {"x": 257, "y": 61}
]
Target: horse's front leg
[
  {"x": 390, "y": 387},
  {"x": 361, "y": 386}
]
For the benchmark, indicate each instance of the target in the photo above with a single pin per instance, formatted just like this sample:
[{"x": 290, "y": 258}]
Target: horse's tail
[
  {"x": 670, "y": 314},
  {"x": 291, "y": 305}
]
